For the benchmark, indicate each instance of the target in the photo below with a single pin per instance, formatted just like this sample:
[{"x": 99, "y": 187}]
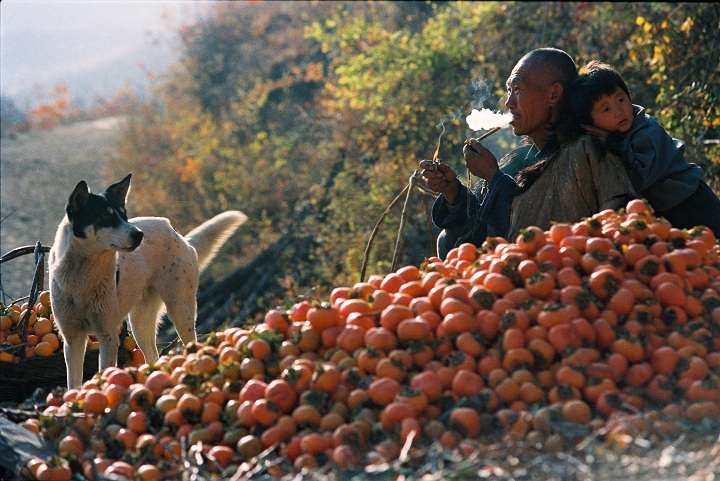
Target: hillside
[{"x": 38, "y": 171}]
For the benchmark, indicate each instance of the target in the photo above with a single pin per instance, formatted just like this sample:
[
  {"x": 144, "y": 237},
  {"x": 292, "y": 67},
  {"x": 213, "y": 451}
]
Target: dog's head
[{"x": 102, "y": 218}]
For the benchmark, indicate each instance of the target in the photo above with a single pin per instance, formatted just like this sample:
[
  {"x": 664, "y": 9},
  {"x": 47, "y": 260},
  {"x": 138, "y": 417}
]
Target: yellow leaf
[
  {"x": 687, "y": 25},
  {"x": 640, "y": 20},
  {"x": 647, "y": 27}
]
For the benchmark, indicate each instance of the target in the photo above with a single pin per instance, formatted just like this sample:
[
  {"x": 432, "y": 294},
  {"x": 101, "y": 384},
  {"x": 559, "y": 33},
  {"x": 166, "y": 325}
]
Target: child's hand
[{"x": 596, "y": 131}]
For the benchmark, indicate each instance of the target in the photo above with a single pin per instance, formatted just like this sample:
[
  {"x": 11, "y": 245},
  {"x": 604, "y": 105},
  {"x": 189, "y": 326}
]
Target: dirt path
[{"x": 38, "y": 170}]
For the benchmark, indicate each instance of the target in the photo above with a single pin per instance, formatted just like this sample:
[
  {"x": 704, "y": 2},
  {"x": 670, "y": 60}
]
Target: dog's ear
[
  {"x": 120, "y": 190},
  {"x": 77, "y": 199}
]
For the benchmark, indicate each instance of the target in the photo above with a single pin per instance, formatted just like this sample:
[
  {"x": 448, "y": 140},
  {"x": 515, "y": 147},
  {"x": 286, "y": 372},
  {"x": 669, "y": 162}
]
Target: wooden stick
[
  {"x": 483, "y": 136},
  {"x": 403, "y": 218},
  {"x": 375, "y": 230},
  {"x": 412, "y": 183}
]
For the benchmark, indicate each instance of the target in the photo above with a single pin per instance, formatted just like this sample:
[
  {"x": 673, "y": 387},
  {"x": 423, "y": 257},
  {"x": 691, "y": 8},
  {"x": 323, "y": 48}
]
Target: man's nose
[{"x": 509, "y": 100}]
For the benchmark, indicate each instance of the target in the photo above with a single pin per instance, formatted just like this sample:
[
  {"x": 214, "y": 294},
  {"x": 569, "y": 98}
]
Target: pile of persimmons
[{"x": 609, "y": 326}]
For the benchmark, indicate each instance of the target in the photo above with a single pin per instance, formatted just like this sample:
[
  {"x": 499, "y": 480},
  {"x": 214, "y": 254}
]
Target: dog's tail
[{"x": 208, "y": 237}]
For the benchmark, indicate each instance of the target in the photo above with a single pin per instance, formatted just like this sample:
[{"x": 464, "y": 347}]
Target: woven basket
[{"x": 18, "y": 381}]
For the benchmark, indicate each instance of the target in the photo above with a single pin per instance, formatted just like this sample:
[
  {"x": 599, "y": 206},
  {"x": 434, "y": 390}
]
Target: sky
[{"x": 96, "y": 47}]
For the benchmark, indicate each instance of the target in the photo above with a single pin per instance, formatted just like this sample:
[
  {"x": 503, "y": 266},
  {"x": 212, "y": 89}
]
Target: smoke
[
  {"x": 482, "y": 118},
  {"x": 480, "y": 92},
  {"x": 486, "y": 119},
  {"x": 442, "y": 124}
]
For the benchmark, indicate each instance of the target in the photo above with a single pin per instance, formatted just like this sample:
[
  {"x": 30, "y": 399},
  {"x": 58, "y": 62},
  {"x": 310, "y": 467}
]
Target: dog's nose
[{"x": 137, "y": 237}]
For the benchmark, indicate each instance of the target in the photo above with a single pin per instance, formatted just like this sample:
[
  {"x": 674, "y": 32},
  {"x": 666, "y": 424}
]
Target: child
[{"x": 600, "y": 103}]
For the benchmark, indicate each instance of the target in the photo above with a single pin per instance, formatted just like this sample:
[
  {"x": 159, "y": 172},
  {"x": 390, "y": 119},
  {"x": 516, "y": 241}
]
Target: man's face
[
  {"x": 530, "y": 100},
  {"x": 613, "y": 112}
]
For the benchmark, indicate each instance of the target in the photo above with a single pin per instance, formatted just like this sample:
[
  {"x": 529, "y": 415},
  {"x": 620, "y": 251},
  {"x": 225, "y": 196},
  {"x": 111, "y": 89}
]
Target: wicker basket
[{"x": 18, "y": 381}]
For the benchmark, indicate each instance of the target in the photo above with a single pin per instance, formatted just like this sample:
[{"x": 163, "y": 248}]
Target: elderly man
[{"x": 533, "y": 185}]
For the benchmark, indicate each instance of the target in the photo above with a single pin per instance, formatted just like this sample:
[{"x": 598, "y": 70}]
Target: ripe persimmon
[
  {"x": 282, "y": 394},
  {"x": 322, "y": 316},
  {"x": 414, "y": 329},
  {"x": 670, "y": 294},
  {"x": 394, "y": 413},
  {"x": 466, "y": 421},
  {"x": 630, "y": 347},
  {"x": 540, "y": 285},
  {"x": 664, "y": 359},
  {"x": 428, "y": 382},
  {"x": 498, "y": 284},
  {"x": 471, "y": 343},
  {"x": 44, "y": 349},
  {"x": 576, "y": 411},
  {"x": 466, "y": 383},
  {"x": 457, "y": 322},
  {"x": 391, "y": 316},
  {"x": 518, "y": 358},
  {"x": 265, "y": 412}
]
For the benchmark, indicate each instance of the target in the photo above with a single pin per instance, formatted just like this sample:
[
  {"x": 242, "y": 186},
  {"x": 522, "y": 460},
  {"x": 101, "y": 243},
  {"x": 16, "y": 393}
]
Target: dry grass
[
  {"x": 691, "y": 457},
  {"x": 38, "y": 171}
]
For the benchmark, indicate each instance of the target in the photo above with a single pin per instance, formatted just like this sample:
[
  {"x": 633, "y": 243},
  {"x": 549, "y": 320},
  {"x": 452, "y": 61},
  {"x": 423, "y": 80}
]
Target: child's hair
[{"x": 597, "y": 79}]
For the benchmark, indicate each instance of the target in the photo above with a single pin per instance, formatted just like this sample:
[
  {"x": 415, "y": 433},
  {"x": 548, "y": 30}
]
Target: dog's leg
[
  {"x": 143, "y": 320},
  {"x": 182, "y": 312},
  {"x": 180, "y": 293},
  {"x": 109, "y": 343},
  {"x": 74, "y": 350}
]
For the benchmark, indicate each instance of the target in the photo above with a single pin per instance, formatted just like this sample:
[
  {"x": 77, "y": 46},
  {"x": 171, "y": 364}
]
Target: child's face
[{"x": 613, "y": 112}]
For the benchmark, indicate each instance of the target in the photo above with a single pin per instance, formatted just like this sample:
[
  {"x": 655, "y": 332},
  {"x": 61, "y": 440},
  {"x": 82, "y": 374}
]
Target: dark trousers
[{"x": 701, "y": 208}]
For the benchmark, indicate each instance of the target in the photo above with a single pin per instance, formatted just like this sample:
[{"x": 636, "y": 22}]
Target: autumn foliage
[{"x": 312, "y": 116}]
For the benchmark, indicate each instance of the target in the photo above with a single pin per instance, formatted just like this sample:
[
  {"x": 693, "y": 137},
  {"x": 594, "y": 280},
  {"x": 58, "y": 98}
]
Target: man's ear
[
  {"x": 120, "y": 190},
  {"x": 555, "y": 93}
]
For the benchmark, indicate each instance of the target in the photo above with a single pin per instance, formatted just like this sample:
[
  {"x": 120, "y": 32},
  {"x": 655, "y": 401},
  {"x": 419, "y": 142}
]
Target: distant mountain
[{"x": 95, "y": 48}]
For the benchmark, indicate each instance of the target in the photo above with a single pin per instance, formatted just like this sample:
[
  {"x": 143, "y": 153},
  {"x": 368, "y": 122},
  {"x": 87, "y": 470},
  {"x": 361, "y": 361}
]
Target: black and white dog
[{"x": 104, "y": 267}]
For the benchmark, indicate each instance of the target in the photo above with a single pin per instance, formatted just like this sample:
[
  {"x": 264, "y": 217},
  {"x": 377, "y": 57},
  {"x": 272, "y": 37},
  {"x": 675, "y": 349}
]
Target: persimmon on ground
[{"x": 609, "y": 323}]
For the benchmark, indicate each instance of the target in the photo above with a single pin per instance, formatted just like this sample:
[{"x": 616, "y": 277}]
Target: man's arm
[{"x": 496, "y": 207}]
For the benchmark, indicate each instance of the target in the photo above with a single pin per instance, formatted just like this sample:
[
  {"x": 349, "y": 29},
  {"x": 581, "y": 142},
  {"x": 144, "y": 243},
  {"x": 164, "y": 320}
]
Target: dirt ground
[{"x": 38, "y": 170}]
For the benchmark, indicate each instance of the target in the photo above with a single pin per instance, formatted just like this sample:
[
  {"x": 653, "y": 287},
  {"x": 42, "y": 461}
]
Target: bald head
[
  {"x": 536, "y": 92},
  {"x": 554, "y": 63}
]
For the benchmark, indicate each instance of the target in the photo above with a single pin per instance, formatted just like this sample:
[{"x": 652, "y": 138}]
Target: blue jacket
[
  {"x": 655, "y": 162},
  {"x": 460, "y": 222}
]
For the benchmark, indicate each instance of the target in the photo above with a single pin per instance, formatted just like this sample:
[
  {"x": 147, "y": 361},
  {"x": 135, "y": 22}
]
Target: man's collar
[{"x": 550, "y": 147}]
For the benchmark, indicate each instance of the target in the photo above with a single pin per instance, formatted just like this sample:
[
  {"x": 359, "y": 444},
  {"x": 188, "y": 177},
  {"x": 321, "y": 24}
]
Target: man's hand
[
  {"x": 479, "y": 160},
  {"x": 439, "y": 177}
]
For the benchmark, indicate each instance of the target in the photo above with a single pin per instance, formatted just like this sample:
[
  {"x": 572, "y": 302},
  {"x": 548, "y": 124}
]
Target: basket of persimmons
[{"x": 31, "y": 353}]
